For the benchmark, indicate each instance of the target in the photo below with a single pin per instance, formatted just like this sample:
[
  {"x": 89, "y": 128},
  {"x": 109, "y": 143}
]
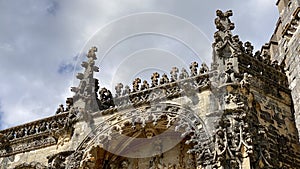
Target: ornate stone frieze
[
  {"x": 164, "y": 89},
  {"x": 50, "y": 131}
]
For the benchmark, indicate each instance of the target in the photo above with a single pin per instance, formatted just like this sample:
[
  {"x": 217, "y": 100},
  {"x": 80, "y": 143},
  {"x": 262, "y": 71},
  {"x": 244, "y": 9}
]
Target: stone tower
[
  {"x": 237, "y": 114},
  {"x": 285, "y": 46}
]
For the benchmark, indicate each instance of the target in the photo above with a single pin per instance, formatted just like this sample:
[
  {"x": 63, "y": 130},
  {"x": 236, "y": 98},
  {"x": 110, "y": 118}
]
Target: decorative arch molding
[{"x": 148, "y": 125}]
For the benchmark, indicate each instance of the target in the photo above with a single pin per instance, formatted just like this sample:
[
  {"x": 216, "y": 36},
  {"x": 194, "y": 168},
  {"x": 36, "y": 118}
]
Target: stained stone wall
[{"x": 286, "y": 40}]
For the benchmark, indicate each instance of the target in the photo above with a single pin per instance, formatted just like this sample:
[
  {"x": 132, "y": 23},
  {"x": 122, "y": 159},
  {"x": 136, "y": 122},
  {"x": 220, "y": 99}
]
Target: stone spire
[{"x": 86, "y": 93}]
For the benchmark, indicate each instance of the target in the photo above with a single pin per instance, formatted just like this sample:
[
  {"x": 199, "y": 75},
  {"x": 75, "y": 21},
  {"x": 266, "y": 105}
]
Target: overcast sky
[{"x": 41, "y": 42}]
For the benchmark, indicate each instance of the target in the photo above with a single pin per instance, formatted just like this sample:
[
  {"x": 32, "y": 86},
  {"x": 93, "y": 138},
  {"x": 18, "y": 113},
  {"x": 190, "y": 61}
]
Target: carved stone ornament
[{"x": 167, "y": 115}]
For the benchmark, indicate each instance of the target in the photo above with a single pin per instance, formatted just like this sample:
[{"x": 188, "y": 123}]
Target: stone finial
[
  {"x": 85, "y": 93},
  {"x": 184, "y": 74},
  {"x": 223, "y": 22},
  {"x": 136, "y": 85},
  {"x": 193, "y": 68},
  {"x": 92, "y": 53},
  {"x": 118, "y": 89},
  {"x": 126, "y": 91},
  {"x": 173, "y": 74},
  {"x": 229, "y": 73},
  {"x": 266, "y": 58},
  {"x": 106, "y": 99},
  {"x": 145, "y": 85},
  {"x": 69, "y": 103},
  {"x": 248, "y": 48},
  {"x": 204, "y": 68},
  {"x": 154, "y": 79},
  {"x": 60, "y": 109},
  {"x": 164, "y": 79}
]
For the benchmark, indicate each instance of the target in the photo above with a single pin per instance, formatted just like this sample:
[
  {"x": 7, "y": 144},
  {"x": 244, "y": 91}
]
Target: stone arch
[{"x": 166, "y": 124}]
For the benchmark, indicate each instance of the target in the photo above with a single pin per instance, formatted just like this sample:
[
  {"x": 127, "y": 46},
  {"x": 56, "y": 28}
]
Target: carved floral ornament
[{"x": 147, "y": 126}]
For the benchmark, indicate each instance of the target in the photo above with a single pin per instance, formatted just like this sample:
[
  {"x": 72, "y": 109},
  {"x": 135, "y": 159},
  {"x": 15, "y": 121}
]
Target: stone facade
[
  {"x": 236, "y": 114},
  {"x": 285, "y": 45}
]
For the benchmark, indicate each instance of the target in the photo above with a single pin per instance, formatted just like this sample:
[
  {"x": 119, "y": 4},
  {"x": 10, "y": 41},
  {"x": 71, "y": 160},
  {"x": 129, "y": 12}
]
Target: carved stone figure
[
  {"x": 3, "y": 139},
  {"x": 174, "y": 74},
  {"x": 60, "y": 109},
  {"x": 126, "y": 91},
  {"x": 237, "y": 44},
  {"x": 124, "y": 165},
  {"x": 71, "y": 118},
  {"x": 154, "y": 79},
  {"x": 92, "y": 53},
  {"x": 248, "y": 48},
  {"x": 229, "y": 73},
  {"x": 54, "y": 124},
  {"x": 145, "y": 85},
  {"x": 11, "y": 135},
  {"x": 245, "y": 81},
  {"x": 217, "y": 45},
  {"x": 150, "y": 132},
  {"x": 193, "y": 68},
  {"x": 184, "y": 74},
  {"x": 118, "y": 89},
  {"x": 275, "y": 64},
  {"x": 57, "y": 162},
  {"x": 20, "y": 133},
  {"x": 230, "y": 98},
  {"x": 257, "y": 55},
  {"x": 164, "y": 79},
  {"x": 204, "y": 69},
  {"x": 31, "y": 130},
  {"x": 74, "y": 160},
  {"x": 266, "y": 58},
  {"x": 69, "y": 103},
  {"x": 223, "y": 22},
  {"x": 136, "y": 85},
  {"x": 42, "y": 127},
  {"x": 106, "y": 99}
]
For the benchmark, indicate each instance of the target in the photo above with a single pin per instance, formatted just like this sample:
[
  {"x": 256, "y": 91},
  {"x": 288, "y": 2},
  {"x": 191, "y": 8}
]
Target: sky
[{"x": 43, "y": 42}]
